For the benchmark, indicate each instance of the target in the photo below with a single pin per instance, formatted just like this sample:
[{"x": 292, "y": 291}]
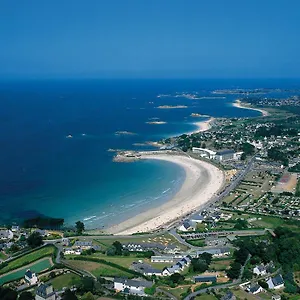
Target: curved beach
[
  {"x": 238, "y": 103},
  {"x": 203, "y": 125},
  {"x": 203, "y": 180}
]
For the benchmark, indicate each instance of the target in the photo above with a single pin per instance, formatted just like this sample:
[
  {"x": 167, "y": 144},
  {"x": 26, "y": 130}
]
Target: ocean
[{"x": 55, "y": 136}]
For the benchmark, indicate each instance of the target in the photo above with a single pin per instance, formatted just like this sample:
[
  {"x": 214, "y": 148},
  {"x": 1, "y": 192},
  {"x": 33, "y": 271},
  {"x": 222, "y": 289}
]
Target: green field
[
  {"x": 3, "y": 256},
  {"x": 164, "y": 239},
  {"x": 177, "y": 291},
  {"x": 37, "y": 267},
  {"x": 197, "y": 243},
  {"x": 28, "y": 258},
  {"x": 206, "y": 297},
  {"x": 220, "y": 265},
  {"x": 99, "y": 269},
  {"x": 65, "y": 280}
]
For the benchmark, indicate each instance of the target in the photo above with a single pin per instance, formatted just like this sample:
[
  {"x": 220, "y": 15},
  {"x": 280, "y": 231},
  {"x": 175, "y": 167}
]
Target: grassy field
[
  {"x": 65, "y": 280},
  {"x": 3, "y": 256},
  {"x": 197, "y": 243},
  {"x": 240, "y": 294},
  {"x": 206, "y": 297},
  {"x": 177, "y": 291},
  {"x": 220, "y": 265},
  {"x": 28, "y": 258},
  {"x": 124, "y": 261},
  {"x": 164, "y": 239},
  {"x": 98, "y": 269}
]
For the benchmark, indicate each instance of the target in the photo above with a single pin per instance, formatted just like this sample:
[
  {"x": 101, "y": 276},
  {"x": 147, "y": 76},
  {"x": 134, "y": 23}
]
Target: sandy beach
[
  {"x": 238, "y": 104},
  {"x": 202, "y": 125},
  {"x": 202, "y": 182}
]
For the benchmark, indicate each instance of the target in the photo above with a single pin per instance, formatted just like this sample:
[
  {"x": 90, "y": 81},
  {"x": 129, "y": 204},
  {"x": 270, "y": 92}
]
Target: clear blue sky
[{"x": 150, "y": 38}]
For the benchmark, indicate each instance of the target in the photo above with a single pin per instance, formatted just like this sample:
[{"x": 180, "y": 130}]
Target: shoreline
[
  {"x": 238, "y": 103},
  {"x": 202, "y": 125},
  {"x": 202, "y": 182}
]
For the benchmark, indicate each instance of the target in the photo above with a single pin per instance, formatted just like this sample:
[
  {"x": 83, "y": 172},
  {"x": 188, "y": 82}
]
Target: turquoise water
[
  {"x": 43, "y": 172},
  {"x": 36, "y": 268}
]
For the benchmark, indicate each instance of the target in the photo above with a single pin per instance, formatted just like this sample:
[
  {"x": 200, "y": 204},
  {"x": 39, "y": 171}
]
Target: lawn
[
  {"x": 65, "y": 280},
  {"x": 206, "y": 297},
  {"x": 164, "y": 239},
  {"x": 98, "y": 269},
  {"x": 28, "y": 258},
  {"x": 220, "y": 265},
  {"x": 197, "y": 243},
  {"x": 3, "y": 256},
  {"x": 240, "y": 294},
  {"x": 177, "y": 291},
  {"x": 124, "y": 261}
]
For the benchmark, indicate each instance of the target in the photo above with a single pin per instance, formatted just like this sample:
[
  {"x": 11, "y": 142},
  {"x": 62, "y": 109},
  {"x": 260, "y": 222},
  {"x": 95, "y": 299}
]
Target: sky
[{"x": 150, "y": 39}]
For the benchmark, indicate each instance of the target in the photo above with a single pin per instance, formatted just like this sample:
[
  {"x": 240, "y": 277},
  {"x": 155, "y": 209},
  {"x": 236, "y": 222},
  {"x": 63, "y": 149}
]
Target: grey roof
[
  {"x": 83, "y": 243},
  {"x": 205, "y": 278},
  {"x": 254, "y": 288},
  {"x": 214, "y": 251},
  {"x": 28, "y": 274},
  {"x": 42, "y": 290},
  {"x": 261, "y": 268},
  {"x": 229, "y": 295},
  {"x": 135, "y": 283},
  {"x": 277, "y": 280},
  {"x": 186, "y": 224},
  {"x": 224, "y": 152}
]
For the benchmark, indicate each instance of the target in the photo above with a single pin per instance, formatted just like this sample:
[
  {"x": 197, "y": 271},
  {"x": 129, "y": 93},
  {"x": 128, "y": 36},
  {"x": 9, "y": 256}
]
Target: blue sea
[{"x": 45, "y": 172}]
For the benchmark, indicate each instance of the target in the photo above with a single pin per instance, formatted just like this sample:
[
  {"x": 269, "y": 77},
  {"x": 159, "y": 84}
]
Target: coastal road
[{"x": 228, "y": 189}]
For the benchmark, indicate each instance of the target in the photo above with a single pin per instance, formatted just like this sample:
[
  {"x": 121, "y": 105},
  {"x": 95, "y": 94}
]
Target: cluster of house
[
  {"x": 78, "y": 247},
  {"x": 274, "y": 283},
  {"x": 178, "y": 267},
  {"x": 211, "y": 217}
]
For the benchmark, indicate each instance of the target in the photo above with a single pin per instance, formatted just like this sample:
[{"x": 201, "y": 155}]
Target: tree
[
  {"x": 263, "y": 284},
  {"x": 35, "y": 240},
  {"x": 68, "y": 295},
  {"x": 88, "y": 296},
  {"x": 206, "y": 256},
  {"x": 234, "y": 271},
  {"x": 111, "y": 251},
  {"x": 79, "y": 227},
  {"x": 119, "y": 247},
  {"x": 26, "y": 296},
  {"x": 87, "y": 284},
  {"x": 199, "y": 265},
  {"x": 176, "y": 278}
]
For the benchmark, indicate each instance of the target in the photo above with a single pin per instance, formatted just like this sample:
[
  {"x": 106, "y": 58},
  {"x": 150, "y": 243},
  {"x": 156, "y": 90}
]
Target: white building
[
  {"x": 131, "y": 286},
  {"x": 30, "y": 277},
  {"x": 6, "y": 234},
  {"x": 45, "y": 292},
  {"x": 72, "y": 251},
  {"x": 204, "y": 152},
  {"x": 276, "y": 282},
  {"x": 260, "y": 270},
  {"x": 255, "y": 289},
  {"x": 162, "y": 259}
]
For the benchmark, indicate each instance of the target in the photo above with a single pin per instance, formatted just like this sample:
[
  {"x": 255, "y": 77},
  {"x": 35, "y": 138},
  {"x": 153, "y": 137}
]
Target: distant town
[{"x": 244, "y": 244}]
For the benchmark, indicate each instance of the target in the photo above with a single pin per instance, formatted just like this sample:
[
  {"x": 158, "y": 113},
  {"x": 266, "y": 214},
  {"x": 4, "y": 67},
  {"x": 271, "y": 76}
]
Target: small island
[
  {"x": 124, "y": 133},
  {"x": 156, "y": 122},
  {"x": 196, "y": 115},
  {"x": 171, "y": 106}
]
